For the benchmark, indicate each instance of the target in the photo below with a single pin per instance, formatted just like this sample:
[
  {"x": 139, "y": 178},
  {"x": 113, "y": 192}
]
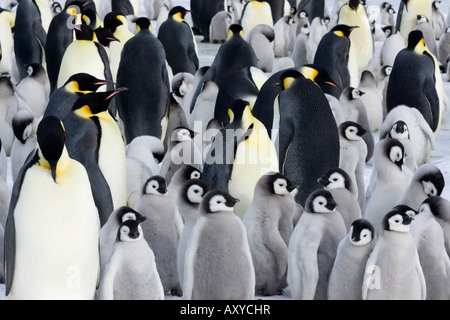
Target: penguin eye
[
  {"x": 335, "y": 179},
  {"x": 320, "y": 202},
  {"x": 196, "y": 191},
  {"x": 396, "y": 221}
]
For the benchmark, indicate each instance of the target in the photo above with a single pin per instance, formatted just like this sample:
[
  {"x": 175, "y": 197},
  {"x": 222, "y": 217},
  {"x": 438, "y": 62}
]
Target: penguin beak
[
  {"x": 116, "y": 92},
  {"x": 231, "y": 201},
  {"x": 331, "y": 83},
  {"x": 323, "y": 181},
  {"x": 162, "y": 190},
  {"x": 53, "y": 164},
  {"x": 291, "y": 187},
  {"x": 408, "y": 220},
  {"x": 331, "y": 206},
  {"x": 134, "y": 234},
  {"x": 141, "y": 219}
]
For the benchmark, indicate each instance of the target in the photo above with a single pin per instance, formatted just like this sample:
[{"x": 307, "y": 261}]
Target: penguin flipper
[
  {"x": 429, "y": 89},
  {"x": 275, "y": 243},
  {"x": 309, "y": 268},
  {"x": 105, "y": 59},
  {"x": 284, "y": 141},
  {"x": 399, "y": 15},
  {"x": 39, "y": 33}
]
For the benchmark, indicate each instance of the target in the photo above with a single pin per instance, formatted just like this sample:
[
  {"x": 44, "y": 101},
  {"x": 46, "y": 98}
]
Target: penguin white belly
[
  {"x": 81, "y": 56},
  {"x": 409, "y": 15},
  {"x": 57, "y": 253},
  {"x": 257, "y": 14},
  {"x": 112, "y": 162},
  {"x": 45, "y": 12},
  {"x": 6, "y": 40}
]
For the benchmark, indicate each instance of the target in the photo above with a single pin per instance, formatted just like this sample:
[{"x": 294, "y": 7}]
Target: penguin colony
[{"x": 139, "y": 173}]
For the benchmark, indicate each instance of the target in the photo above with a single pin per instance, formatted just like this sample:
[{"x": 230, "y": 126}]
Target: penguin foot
[{"x": 176, "y": 292}]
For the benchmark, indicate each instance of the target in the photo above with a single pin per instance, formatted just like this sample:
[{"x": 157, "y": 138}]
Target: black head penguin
[
  {"x": 143, "y": 109},
  {"x": 332, "y": 55},
  {"x": 178, "y": 40},
  {"x": 64, "y": 191},
  {"x": 419, "y": 87}
]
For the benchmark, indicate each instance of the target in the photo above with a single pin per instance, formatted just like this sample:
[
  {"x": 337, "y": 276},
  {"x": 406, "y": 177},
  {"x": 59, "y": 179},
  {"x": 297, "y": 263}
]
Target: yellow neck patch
[
  {"x": 177, "y": 17},
  {"x": 309, "y": 73},
  {"x": 338, "y": 33},
  {"x": 84, "y": 112},
  {"x": 288, "y": 81}
]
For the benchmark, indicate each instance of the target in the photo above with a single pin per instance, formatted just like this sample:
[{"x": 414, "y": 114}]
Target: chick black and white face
[
  {"x": 195, "y": 174},
  {"x": 429, "y": 188},
  {"x": 336, "y": 181},
  {"x": 322, "y": 204},
  {"x": 280, "y": 187},
  {"x": 360, "y": 237},
  {"x": 396, "y": 155},
  {"x": 195, "y": 193},
  {"x": 218, "y": 203},
  {"x": 424, "y": 208},
  {"x": 351, "y": 133},
  {"x": 129, "y": 233},
  {"x": 399, "y": 222},
  {"x": 156, "y": 186},
  {"x": 128, "y": 216},
  {"x": 183, "y": 135},
  {"x": 399, "y": 130},
  {"x": 356, "y": 93}
]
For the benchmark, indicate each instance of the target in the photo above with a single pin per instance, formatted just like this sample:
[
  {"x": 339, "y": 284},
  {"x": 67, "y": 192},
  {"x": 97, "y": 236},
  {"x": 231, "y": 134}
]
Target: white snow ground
[{"x": 440, "y": 156}]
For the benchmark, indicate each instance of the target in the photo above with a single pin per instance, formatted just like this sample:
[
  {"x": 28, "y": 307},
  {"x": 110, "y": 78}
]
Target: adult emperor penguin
[
  {"x": 393, "y": 270},
  {"x": 352, "y": 156},
  {"x": 339, "y": 183},
  {"x": 427, "y": 181},
  {"x": 307, "y": 132},
  {"x": 422, "y": 92},
  {"x": 162, "y": 230},
  {"x": 30, "y": 32},
  {"x": 407, "y": 14},
  {"x": 393, "y": 178},
  {"x": 361, "y": 39},
  {"x": 108, "y": 232},
  {"x": 269, "y": 224},
  {"x": 143, "y": 109},
  {"x": 178, "y": 41},
  {"x": 7, "y": 21},
  {"x": 59, "y": 37},
  {"x": 131, "y": 272},
  {"x": 332, "y": 54},
  {"x": 84, "y": 54},
  {"x": 430, "y": 242},
  {"x": 67, "y": 267},
  {"x": 312, "y": 247},
  {"x": 440, "y": 206},
  {"x": 225, "y": 272},
  {"x": 256, "y": 12},
  {"x": 188, "y": 202},
  {"x": 346, "y": 277}
]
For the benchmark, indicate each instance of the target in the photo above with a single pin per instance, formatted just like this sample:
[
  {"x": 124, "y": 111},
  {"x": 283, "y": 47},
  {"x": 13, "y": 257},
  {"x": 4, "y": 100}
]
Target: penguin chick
[
  {"x": 131, "y": 272},
  {"x": 162, "y": 230},
  {"x": 312, "y": 247},
  {"x": 339, "y": 183},
  {"x": 180, "y": 177},
  {"x": 269, "y": 224},
  {"x": 393, "y": 270},
  {"x": 440, "y": 207},
  {"x": 218, "y": 263},
  {"x": 261, "y": 38},
  {"x": 371, "y": 99},
  {"x": 346, "y": 277},
  {"x": 437, "y": 19}
]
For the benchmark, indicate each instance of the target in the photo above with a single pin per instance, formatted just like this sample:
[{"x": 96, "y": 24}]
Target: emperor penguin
[
  {"x": 438, "y": 19},
  {"x": 203, "y": 12},
  {"x": 178, "y": 41},
  {"x": 301, "y": 128},
  {"x": 10, "y": 105},
  {"x": 346, "y": 277},
  {"x": 430, "y": 242},
  {"x": 236, "y": 166},
  {"x": 30, "y": 33},
  {"x": 226, "y": 272},
  {"x": 391, "y": 46},
  {"x": 261, "y": 38},
  {"x": 393, "y": 178},
  {"x": 182, "y": 85},
  {"x": 393, "y": 270},
  {"x": 400, "y": 131},
  {"x": 386, "y": 14},
  {"x": 301, "y": 47},
  {"x": 108, "y": 232},
  {"x": 59, "y": 36},
  {"x": 143, "y": 108},
  {"x": 312, "y": 247},
  {"x": 444, "y": 48},
  {"x": 429, "y": 37},
  {"x": 256, "y": 12},
  {"x": 372, "y": 99},
  {"x": 361, "y": 39},
  {"x": 422, "y": 92},
  {"x": 300, "y": 20},
  {"x": 33, "y": 89},
  {"x": 148, "y": 149},
  {"x": 332, "y": 54},
  {"x": 162, "y": 230},
  {"x": 352, "y": 156},
  {"x": 131, "y": 272},
  {"x": 282, "y": 42},
  {"x": 421, "y": 135},
  {"x": 407, "y": 14},
  {"x": 63, "y": 201},
  {"x": 182, "y": 175},
  {"x": 24, "y": 125},
  {"x": 427, "y": 181},
  {"x": 181, "y": 150},
  {"x": 339, "y": 183},
  {"x": 439, "y": 207},
  {"x": 7, "y": 22},
  {"x": 269, "y": 224},
  {"x": 84, "y": 54},
  {"x": 219, "y": 25},
  {"x": 188, "y": 201}
]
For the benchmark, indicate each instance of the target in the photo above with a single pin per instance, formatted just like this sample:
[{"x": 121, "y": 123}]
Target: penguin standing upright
[
  {"x": 372, "y": 99},
  {"x": 56, "y": 190},
  {"x": 393, "y": 270},
  {"x": 205, "y": 11},
  {"x": 361, "y": 39},
  {"x": 308, "y": 134},
  {"x": 425, "y": 25},
  {"x": 282, "y": 41},
  {"x": 440, "y": 206},
  {"x": 438, "y": 19},
  {"x": 178, "y": 41},
  {"x": 407, "y": 14},
  {"x": 256, "y": 12},
  {"x": 220, "y": 23},
  {"x": 143, "y": 108},
  {"x": 218, "y": 263},
  {"x": 261, "y": 39},
  {"x": 269, "y": 224}
]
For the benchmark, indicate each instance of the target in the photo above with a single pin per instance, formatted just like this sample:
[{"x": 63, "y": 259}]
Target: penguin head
[
  {"x": 336, "y": 178},
  {"x": 388, "y": 31},
  {"x": 83, "y": 82},
  {"x": 215, "y": 201},
  {"x": 438, "y": 206},
  {"x": 361, "y": 232},
  {"x": 6, "y": 86},
  {"x": 238, "y": 112},
  {"x": 51, "y": 139},
  {"x": 22, "y": 123},
  {"x": 317, "y": 74},
  {"x": 343, "y": 30},
  {"x": 125, "y": 213},
  {"x": 396, "y": 220},
  {"x": 416, "y": 41},
  {"x": 395, "y": 151},
  {"x": 155, "y": 185},
  {"x": 105, "y": 36},
  {"x": 406, "y": 209},
  {"x": 431, "y": 178},
  {"x": 129, "y": 231},
  {"x": 84, "y": 32},
  {"x": 277, "y": 183},
  {"x": 113, "y": 20},
  {"x": 94, "y": 103},
  {"x": 181, "y": 133},
  {"x": 320, "y": 201},
  {"x": 436, "y": 4},
  {"x": 143, "y": 24},
  {"x": 421, "y": 18},
  {"x": 351, "y": 130},
  {"x": 89, "y": 17},
  {"x": 194, "y": 190},
  {"x": 36, "y": 70},
  {"x": 287, "y": 78},
  {"x": 191, "y": 172},
  {"x": 178, "y": 13},
  {"x": 353, "y": 4},
  {"x": 235, "y": 30},
  {"x": 399, "y": 130}
]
